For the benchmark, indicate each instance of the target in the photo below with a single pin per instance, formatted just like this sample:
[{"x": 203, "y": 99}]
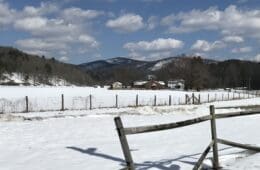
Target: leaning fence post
[
  {"x": 26, "y": 104},
  {"x": 214, "y": 138},
  {"x": 170, "y": 100},
  {"x": 62, "y": 102},
  {"x": 124, "y": 144},
  {"x": 90, "y": 102}
]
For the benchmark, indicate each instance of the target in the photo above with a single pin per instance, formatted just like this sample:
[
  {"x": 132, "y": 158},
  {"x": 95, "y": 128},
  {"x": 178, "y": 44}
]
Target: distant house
[
  {"x": 176, "y": 84},
  {"x": 151, "y": 84},
  {"x": 116, "y": 85}
]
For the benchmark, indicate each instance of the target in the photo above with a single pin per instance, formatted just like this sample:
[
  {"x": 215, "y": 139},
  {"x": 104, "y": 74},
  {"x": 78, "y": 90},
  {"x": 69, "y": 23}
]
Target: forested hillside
[
  {"x": 39, "y": 70},
  {"x": 197, "y": 72}
]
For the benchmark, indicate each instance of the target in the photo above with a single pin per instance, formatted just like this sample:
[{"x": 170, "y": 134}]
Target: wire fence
[{"x": 62, "y": 102}]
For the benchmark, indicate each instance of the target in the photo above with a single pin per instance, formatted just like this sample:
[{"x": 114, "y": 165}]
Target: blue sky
[{"x": 78, "y": 31}]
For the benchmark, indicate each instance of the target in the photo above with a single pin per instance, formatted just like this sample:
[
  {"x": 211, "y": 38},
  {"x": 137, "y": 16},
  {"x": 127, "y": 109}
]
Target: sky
[{"x": 79, "y": 31}]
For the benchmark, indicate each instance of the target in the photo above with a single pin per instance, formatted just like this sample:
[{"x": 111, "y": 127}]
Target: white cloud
[
  {"x": 73, "y": 13},
  {"x": 88, "y": 40},
  {"x": 257, "y": 58},
  {"x": 64, "y": 59},
  {"x": 233, "y": 39},
  {"x": 205, "y": 46},
  {"x": 152, "y": 22},
  {"x": 40, "y": 44},
  {"x": 229, "y": 21},
  {"x": 155, "y": 45},
  {"x": 43, "y": 27},
  {"x": 7, "y": 15},
  {"x": 31, "y": 24},
  {"x": 44, "y": 9},
  {"x": 53, "y": 31},
  {"x": 126, "y": 23},
  {"x": 242, "y": 50},
  {"x": 168, "y": 20}
]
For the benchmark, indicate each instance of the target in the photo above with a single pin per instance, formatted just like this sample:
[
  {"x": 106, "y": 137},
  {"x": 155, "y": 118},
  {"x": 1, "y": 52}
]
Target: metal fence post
[
  {"x": 136, "y": 101},
  {"x": 90, "y": 102},
  {"x": 154, "y": 100},
  {"x": 116, "y": 101},
  {"x": 62, "y": 102},
  {"x": 26, "y": 104}
]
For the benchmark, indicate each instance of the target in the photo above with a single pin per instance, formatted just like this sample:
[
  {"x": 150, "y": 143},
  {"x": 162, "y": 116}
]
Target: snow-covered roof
[
  {"x": 117, "y": 82},
  {"x": 161, "y": 82},
  {"x": 139, "y": 83}
]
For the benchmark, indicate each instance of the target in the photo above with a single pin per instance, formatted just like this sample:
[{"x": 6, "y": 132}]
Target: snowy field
[
  {"x": 88, "y": 139},
  {"x": 12, "y": 99}
]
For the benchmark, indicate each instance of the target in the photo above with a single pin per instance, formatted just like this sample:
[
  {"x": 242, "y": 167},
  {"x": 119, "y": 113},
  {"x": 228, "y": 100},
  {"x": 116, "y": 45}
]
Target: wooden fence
[{"x": 213, "y": 144}]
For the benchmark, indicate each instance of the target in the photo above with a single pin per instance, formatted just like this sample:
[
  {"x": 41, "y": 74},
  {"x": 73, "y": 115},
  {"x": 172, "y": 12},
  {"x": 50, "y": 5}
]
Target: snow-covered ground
[
  {"x": 12, "y": 99},
  {"x": 88, "y": 139}
]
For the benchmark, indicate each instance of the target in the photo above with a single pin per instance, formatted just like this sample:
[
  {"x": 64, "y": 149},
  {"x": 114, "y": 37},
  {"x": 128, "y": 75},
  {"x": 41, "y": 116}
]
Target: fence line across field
[
  {"x": 122, "y": 132},
  {"x": 91, "y": 101}
]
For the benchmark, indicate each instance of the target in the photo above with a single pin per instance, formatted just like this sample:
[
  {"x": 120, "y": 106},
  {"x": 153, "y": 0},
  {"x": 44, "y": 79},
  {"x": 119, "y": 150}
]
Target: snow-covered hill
[
  {"x": 89, "y": 140},
  {"x": 21, "y": 79}
]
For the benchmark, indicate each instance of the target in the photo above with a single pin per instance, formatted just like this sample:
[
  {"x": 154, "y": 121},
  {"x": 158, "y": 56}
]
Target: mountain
[
  {"x": 120, "y": 62},
  {"x": 17, "y": 67},
  {"x": 198, "y": 73}
]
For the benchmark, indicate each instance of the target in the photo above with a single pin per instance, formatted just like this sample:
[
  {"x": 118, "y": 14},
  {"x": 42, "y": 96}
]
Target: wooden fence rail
[
  {"x": 122, "y": 132},
  {"x": 152, "y": 128}
]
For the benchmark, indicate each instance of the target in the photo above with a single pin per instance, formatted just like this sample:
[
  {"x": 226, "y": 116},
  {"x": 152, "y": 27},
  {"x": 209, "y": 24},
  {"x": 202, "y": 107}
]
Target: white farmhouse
[
  {"x": 176, "y": 84},
  {"x": 116, "y": 85}
]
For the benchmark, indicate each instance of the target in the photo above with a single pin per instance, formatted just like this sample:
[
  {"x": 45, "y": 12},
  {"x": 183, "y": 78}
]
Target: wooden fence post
[
  {"x": 154, "y": 100},
  {"x": 62, "y": 102},
  {"x": 193, "y": 98},
  {"x": 214, "y": 138},
  {"x": 186, "y": 99},
  {"x": 90, "y": 102},
  {"x": 116, "y": 101},
  {"x": 239, "y": 96},
  {"x": 124, "y": 143},
  {"x": 170, "y": 100},
  {"x": 208, "y": 97},
  {"x": 233, "y": 95},
  {"x": 199, "y": 99},
  {"x": 26, "y": 104},
  {"x": 136, "y": 101}
]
